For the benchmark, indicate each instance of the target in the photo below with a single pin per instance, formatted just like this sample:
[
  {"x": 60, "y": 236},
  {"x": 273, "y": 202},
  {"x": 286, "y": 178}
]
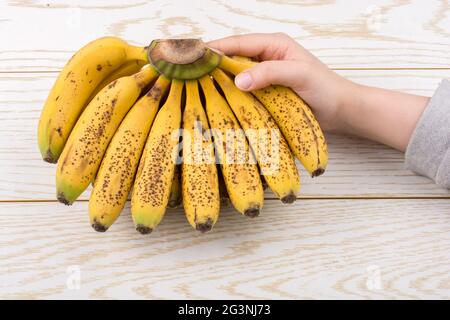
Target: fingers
[
  {"x": 267, "y": 46},
  {"x": 287, "y": 73}
]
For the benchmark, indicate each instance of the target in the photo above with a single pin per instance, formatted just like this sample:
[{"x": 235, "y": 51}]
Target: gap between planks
[
  {"x": 275, "y": 199},
  {"x": 334, "y": 69}
]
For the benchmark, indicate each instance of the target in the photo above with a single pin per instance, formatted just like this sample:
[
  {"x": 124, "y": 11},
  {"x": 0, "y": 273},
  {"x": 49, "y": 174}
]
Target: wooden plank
[
  {"x": 380, "y": 249},
  {"x": 357, "y": 167},
  {"x": 344, "y": 34}
]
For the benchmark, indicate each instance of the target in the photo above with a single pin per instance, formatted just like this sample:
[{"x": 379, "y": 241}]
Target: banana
[
  {"x": 154, "y": 178},
  {"x": 127, "y": 69},
  {"x": 277, "y": 166},
  {"x": 240, "y": 173},
  {"x": 175, "y": 189},
  {"x": 73, "y": 87},
  {"x": 199, "y": 183},
  {"x": 89, "y": 139},
  {"x": 118, "y": 167},
  {"x": 294, "y": 118}
]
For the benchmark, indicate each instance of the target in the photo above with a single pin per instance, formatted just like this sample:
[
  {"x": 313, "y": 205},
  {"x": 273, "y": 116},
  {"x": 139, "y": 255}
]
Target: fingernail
[{"x": 243, "y": 80}]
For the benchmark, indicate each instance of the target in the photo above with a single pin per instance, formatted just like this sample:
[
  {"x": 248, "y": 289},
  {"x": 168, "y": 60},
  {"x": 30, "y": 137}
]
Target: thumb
[{"x": 286, "y": 73}]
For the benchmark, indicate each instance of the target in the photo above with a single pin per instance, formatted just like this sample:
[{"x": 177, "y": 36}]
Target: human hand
[{"x": 285, "y": 62}]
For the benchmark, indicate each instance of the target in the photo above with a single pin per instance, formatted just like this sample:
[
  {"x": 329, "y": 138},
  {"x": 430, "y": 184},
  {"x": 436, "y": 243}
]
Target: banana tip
[
  {"x": 317, "y": 172},
  {"x": 143, "y": 229},
  {"x": 205, "y": 226},
  {"x": 48, "y": 157},
  {"x": 290, "y": 198},
  {"x": 62, "y": 198},
  {"x": 99, "y": 227},
  {"x": 252, "y": 212}
]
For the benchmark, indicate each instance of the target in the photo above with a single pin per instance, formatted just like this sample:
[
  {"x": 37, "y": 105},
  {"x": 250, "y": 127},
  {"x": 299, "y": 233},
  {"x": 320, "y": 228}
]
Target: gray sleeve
[{"x": 428, "y": 151}]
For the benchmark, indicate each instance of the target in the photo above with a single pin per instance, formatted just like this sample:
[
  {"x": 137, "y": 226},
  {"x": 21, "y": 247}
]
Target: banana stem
[
  {"x": 146, "y": 75},
  {"x": 137, "y": 53},
  {"x": 235, "y": 66},
  {"x": 183, "y": 59}
]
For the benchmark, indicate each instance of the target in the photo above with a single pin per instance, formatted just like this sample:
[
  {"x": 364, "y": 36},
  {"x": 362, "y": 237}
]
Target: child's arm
[{"x": 342, "y": 106}]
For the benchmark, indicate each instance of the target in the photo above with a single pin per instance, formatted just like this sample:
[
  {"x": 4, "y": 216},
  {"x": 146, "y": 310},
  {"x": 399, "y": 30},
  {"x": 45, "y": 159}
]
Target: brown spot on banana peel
[
  {"x": 99, "y": 67},
  {"x": 143, "y": 229},
  {"x": 66, "y": 158},
  {"x": 100, "y": 131},
  {"x": 112, "y": 84},
  {"x": 155, "y": 92}
]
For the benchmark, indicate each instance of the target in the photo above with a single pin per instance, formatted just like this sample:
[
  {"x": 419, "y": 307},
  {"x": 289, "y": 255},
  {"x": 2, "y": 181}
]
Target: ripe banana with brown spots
[
  {"x": 293, "y": 116},
  {"x": 239, "y": 170},
  {"x": 127, "y": 69},
  {"x": 156, "y": 169},
  {"x": 75, "y": 85},
  {"x": 116, "y": 174},
  {"x": 271, "y": 150},
  {"x": 93, "y": 131},
  {"x": 199, "y": 182}
]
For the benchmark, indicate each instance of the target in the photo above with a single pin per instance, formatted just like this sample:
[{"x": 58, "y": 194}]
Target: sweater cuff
[{"x": 428, "y": 151}]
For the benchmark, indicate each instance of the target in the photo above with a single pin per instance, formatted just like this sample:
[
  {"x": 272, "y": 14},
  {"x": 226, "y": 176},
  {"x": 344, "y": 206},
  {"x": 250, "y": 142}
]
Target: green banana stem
[{"x": 182, "y": 59}]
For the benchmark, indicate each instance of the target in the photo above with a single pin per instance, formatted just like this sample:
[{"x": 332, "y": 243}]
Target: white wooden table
[{"x": 368, "y": 228}]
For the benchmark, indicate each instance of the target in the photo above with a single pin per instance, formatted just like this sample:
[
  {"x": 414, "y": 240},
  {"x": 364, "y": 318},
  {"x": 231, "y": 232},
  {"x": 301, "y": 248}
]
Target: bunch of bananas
[{"x": 167, "y": 124}]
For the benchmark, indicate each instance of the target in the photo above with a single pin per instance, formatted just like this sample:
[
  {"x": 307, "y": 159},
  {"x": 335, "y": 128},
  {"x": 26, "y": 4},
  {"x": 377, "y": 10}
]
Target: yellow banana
[
  {"x": 154, "y": 178},
  {"x": 271, "y": 150},
  {"x": 118, "y": 167},
  {"x": 294, "y": 118},
  {"x": 73, "y": 87},
  {"x": 175, "y": 189},
  {"x": 89, "y": 139},
  {"x": 127, "y": 69},
  {"x": 199, "y": 183},
  {"x": 239, "y": 169}
]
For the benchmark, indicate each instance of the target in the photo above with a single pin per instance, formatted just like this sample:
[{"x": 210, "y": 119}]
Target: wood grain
[
  {"x": 357, "y": 167},
  {"x": 344, "y": 34},
  {"x": 379, "y": 249},
  {"x": 372, "y": 245}
]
